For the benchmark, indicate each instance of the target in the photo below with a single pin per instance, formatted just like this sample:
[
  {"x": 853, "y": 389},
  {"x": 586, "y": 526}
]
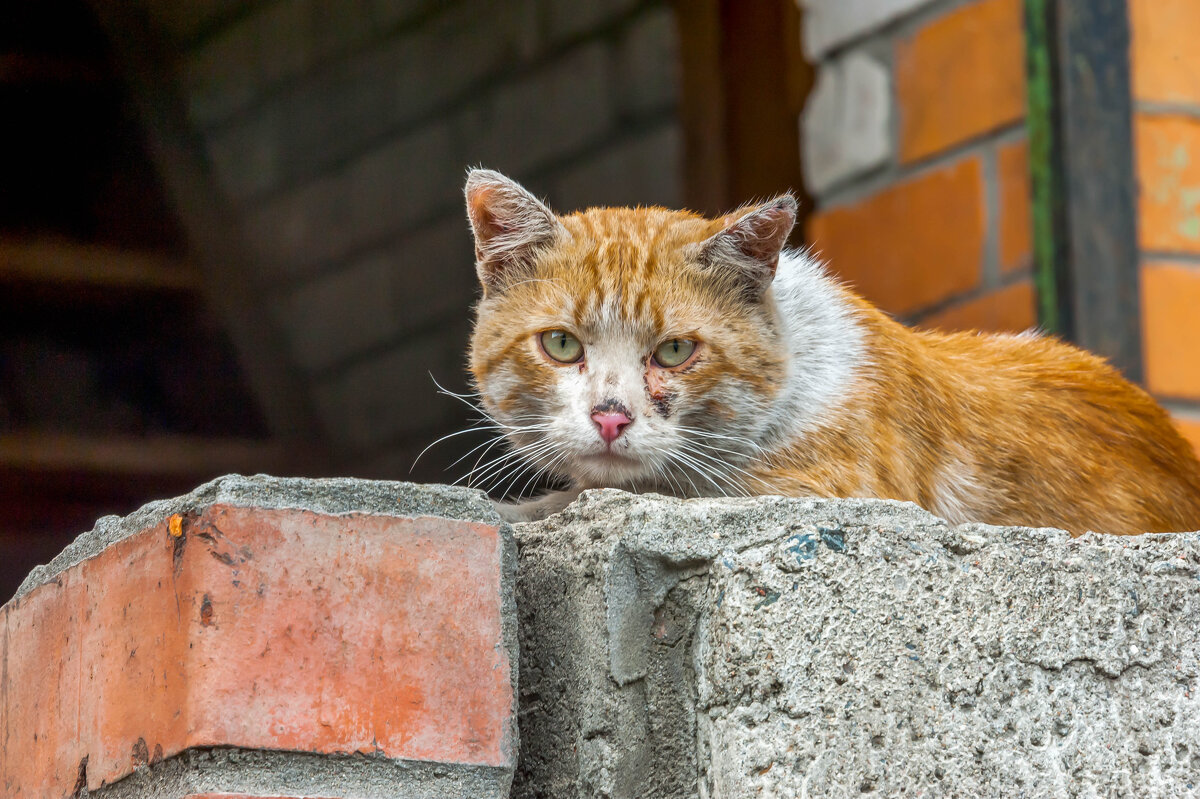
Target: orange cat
[{"x": 657, "y": 350}]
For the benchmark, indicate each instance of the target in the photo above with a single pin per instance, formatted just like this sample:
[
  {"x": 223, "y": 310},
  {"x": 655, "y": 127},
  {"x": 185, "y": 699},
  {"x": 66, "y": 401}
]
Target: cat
[{"x": 657, "y": 350}]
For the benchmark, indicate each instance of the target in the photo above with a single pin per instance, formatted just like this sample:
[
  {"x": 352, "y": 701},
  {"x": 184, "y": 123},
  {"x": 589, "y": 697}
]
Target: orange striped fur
[{"x": 796, "y": 386}]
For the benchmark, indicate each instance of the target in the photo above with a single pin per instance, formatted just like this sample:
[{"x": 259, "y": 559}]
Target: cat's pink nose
[{"x": 611, "y": 425}]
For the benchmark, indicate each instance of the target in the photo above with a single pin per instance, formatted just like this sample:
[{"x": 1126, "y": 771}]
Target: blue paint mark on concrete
[
  {"x": 803, "y": 546},
  {"x": 833, "y": 538}
]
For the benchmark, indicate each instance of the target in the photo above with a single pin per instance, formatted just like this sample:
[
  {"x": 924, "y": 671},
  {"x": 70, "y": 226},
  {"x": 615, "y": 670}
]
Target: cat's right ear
[{"x": 510, "y": 226}]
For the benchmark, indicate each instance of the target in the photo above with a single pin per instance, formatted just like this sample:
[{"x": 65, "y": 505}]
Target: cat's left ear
[
  {"x": 509, "y": 223},
  {"x": 750, "y": 246}
]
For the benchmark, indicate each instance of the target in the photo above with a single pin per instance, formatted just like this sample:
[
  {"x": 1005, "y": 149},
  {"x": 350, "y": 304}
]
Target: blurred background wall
[{"x": 231, "y": 233}]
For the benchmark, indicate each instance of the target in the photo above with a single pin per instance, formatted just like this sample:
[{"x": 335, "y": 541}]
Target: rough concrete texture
[
  {"x": 799, "y": 647},
  {"x": 277, "y": 668}
]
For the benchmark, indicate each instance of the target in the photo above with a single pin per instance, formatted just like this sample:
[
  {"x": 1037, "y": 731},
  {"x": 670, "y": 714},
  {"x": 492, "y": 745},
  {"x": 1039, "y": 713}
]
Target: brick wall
[
  {"x": 915, "y": 153},
  {"x": 1166, "y": 86},
  {"x": 342, "y": 139}
]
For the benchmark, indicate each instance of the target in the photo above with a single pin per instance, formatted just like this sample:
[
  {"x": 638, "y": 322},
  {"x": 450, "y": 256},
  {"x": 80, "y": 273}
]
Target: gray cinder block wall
[
  {"x": 798, "y": 647},
  {"x": 341, "y": 133}
]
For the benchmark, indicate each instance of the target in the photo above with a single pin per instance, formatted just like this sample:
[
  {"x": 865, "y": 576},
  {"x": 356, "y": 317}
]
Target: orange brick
[
  {"x": 1171, "y": 329},
  {"x": 1165, "y": 60},
  {"x": 1168, "y": 168},
  {"x": 1190, "y": 429},
  {"x": 1016, "y": 207},
  {"x": 1007, "y": 310},
  {"x": 961, "y": 75},
  {"x": 262, "y": 629},
  {"x": 911, "y": 245}
]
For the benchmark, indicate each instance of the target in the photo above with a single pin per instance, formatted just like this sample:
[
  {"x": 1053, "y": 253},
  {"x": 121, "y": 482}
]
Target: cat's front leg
[{"x": 535, "y": 509}]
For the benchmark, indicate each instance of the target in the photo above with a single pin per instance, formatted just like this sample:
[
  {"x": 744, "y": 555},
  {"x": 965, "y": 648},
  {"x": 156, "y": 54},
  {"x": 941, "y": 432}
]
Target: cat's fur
[{"x": 797, "y": 387}]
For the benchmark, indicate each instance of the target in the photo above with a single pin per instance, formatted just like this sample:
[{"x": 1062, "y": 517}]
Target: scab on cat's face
[{"x": 657, "y": 350}]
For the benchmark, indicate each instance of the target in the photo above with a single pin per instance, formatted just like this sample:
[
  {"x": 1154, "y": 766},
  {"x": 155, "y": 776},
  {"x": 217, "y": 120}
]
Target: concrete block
[
  {"x": 792, "y": 647},
  {"x": 331, "y": 115},
  {"x": 361, "y": 204},
  {"x": 847, "y": 121},
  {"x": 552, "y": 113},
  {"x": 648, "y": 63},
  {"x": 567, "y": 19},
  {"x": 829, "y": 23},
  {"x": 269, "y": 637},
  {"x": 339, "y": 314},
  {"x": 406, "y": 285},
  {"x": 645, "y": 170},
  {"x": 276, "y": 42},
  {"x": 390, "y": 395}
]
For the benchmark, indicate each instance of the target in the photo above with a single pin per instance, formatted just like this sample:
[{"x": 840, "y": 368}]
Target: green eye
[
  {"x": 673, "y": 352},
  {"x": 562, "y": 346}
]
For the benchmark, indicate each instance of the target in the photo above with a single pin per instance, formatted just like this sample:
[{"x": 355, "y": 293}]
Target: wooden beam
[
  {"x": 159, "y": 455},
  {"x": 744, "y": 81},
  {"x": 1081, "y": 158},
  {"x": 62, "y": 262}
]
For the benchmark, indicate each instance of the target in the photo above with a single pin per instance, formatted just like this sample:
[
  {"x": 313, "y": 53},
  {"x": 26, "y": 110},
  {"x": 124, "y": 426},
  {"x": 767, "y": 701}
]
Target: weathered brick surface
[
  {"x": 1165, "y": 62},
  {"x": 1171, "y": 328},
  {"x": 1169, "y": 181},
  {"x": 1005, "y": 310},
  {"x": 1015, "y": 213},
  {"x": 960, "y": 76},
  {"x": 913, "y": 244},
  {"x": 280, "y": 629}
]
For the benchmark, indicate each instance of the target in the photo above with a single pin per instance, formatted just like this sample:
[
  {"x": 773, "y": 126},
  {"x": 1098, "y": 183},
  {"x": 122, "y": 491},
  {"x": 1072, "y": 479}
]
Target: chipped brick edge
[{"x": 331, "y": 496}]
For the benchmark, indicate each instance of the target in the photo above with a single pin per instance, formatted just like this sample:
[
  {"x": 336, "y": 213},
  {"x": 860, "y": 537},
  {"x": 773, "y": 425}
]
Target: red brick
[
  {"x": 263, "y": 629},
  {"x": 1168, "y": 168},
  {"x": 1165, "y": 60},
  {"x": 1171, "y": 328},
  {"x": 1016, "y": 207},
  {"x": 911, "y": 245},
  {"x": 960, "y": 76},
  {"x": 1007, "y": 310}
]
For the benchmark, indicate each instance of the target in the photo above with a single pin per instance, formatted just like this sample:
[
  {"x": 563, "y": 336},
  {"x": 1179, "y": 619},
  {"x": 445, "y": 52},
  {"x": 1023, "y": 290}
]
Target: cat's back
[{"x": 1056, "y": 422}]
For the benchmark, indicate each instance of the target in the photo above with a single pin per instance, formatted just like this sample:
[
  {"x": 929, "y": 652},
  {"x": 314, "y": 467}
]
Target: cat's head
[{"x": 627, "y": 347}]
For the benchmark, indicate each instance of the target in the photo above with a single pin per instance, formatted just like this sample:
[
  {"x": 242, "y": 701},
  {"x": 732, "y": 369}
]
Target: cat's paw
[{"x": 534, "y": 509}]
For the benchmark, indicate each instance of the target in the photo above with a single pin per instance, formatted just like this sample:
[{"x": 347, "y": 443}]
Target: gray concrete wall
[{"x": 784, "y": 648}]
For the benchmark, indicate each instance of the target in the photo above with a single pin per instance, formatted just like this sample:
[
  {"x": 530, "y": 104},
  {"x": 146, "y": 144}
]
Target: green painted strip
[{"x": 1048, "y": 208}]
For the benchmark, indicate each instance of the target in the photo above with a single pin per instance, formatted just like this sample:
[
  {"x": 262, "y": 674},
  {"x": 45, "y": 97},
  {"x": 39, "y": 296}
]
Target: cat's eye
[
  {"x": 673, "y": 352},
  {"x": 561, "y": 346}
]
